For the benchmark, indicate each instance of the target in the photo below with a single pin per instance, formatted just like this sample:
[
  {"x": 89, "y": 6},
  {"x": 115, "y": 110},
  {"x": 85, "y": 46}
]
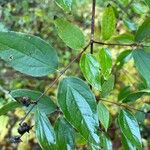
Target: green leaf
[
  {"x": 28, "y": 54},
  {"x": 123, "y": 92},
  {"x": 64, "y": 4},
  {"x": 79, "y": 107},
  {"x": 147, "y": 2},
  {"x": 93, "y": 147},
  {"x": 143, "y": 31},
  {"x": 45, "y": 105},
  {"x": 71, "y": 35},
  {"x": 125, "y": 38},
  {"x": 135, "y": 95},
  {"x": 9, "y": 107},
  {"x": 108, "y": 23},
  {"x": 142, "y": 63},
  {"x": 105, "y": 142},
  {"x": 3, "y": 27},
  {"x": 123, "y": 58},
  {"x": 140, "y": 116},
  {"x": 139, "y": 8},
  {"x": 130, "y": 24},
  {"x": 127, "y": 144},
  {"x": 79, "y": 139},
  {"x": 129, "y": 128},
  {"x": 108, "y": 86},
  {"x": 105, "y": 60},
  {"x": 91, "y": 70},
  {"x": 103, "y": 115},
  {"x": 44, "y": 131},
  {"x": 64, "y": 135}
]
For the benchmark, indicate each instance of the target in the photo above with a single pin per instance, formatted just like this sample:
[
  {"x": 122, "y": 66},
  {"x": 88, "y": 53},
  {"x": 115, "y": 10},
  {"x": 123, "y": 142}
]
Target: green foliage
[
  {"x": 31, "y": 56},
  {"x": 108, "y": 24},
  {"x": 143, "y": 31},
  {"x": 124, "y": 38},
  {"x": 105, "y": 142},
  {"x": 9, "y": 107},
  {"x": 123, "y": 58},
  {"x": 135, "y": 95},
  {"x": 70, "y": 34},
  {"x": 130, "y": 128},
  {"x": 79, "y": 107},
  {"x": 44, "y": 131},
  {"x": 103, "y": 115},
  {"x": 142, "y": 61},
  {"x": 80, "y": 120},
  {"x": 90, "y": 68},
  {"x": 46, "y": 105},
  {"x": 147, "y": 2},
  {"x": 108, "y": 86},
  {"x": 64, "y": 135},
  {"x": 105, "y": 61},
  {"x": 64, "y": 4},
  {"x": 127, "y": 144}
]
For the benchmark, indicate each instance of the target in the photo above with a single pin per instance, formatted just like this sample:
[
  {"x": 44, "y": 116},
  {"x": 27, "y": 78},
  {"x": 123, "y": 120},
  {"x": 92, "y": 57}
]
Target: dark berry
[
  {"x": 15, "y": 139},
  {"x": 24, "y": 128},
  {"x": 25, "y": 101}
]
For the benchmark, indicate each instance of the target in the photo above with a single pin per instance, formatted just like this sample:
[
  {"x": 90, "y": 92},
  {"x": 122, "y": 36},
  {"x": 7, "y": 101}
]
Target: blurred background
[{"x": 37, "y": 17}]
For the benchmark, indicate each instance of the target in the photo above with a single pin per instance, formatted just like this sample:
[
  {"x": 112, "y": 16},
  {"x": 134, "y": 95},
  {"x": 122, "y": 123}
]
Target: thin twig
[
  {"x": 122, "y": 105},
  {"x": 119, "y": 44},
  {"x": 53, "y": 83},
  {"x": 92, "y": 25},
  {"x": 7, "y": 93}
]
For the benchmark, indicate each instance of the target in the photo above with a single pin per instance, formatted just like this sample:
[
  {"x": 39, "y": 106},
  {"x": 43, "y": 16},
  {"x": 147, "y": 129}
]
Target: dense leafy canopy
[{"x": 101, "y": 101}]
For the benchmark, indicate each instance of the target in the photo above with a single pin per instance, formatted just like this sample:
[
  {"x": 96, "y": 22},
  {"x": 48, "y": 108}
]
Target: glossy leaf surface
[
  {"x": 44, "y": 131},
  {"x": 28, "y": 54},
  {"x": 64, "y": 135},
  {"x": 103, "y": 115},
  {"x": 105, "y": 142},
  {"x": 143, "y": 31},
  {"x": 127, "y": 144},
  {"x": 108, "y": 86},
  {"x": 79, "y": 107},
  {"x": 71, "y": 35},
  {"x": 130, "y": 128},
  {"x": 91, "y": 70},
  {"x": 142, "y": 63},
  {"x": 135, "y": 95},
  {"x": 105, "y": 60}
]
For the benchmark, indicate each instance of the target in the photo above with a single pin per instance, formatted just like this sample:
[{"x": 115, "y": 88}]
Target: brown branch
[
  {"x": 92, "y": 25},
  {"x": 53, "y": 83},
  {"x": 122, "y": 105},
  {"x": 119, "y": 44}
]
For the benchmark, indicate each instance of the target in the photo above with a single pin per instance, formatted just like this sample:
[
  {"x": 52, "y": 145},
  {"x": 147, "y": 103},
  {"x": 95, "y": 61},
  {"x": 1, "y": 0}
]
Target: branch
[
  {"x": 119, "y": 44},
  {"x": 122, "y": 105},
  {"x": 53, "y": 83},
  {"x": 7, "y": 93},
  {"x": 92, "y": 25}
]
